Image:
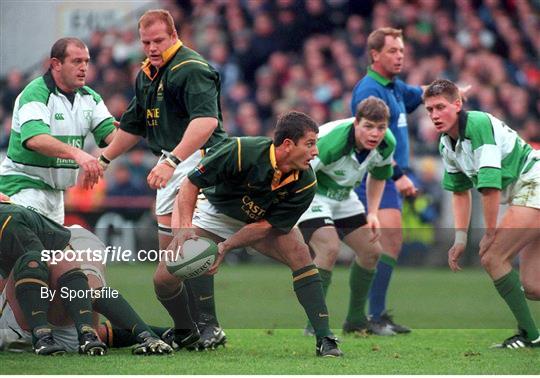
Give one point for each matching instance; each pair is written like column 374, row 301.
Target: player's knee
column 532, row 290
column 164, row 282
column 489, row 261
column 71, row 275
column 30, row 266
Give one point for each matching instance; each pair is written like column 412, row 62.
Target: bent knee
column 164, row 282
column 532, row 291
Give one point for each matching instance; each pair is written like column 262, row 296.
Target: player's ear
column 55, row 64
column 458, row 103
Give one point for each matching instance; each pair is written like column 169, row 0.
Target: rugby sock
column 509, row 288
column 120, row 338
column 31, row 275
column 79, row 307
column 121, row 314
column 359, row 283
column 33, row 307
column 326, row 277
column 177, row 305
column 379, row 287
column 308, row 288
column 202, row 294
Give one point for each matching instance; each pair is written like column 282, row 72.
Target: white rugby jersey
column 487, row 154
column 338, row 168
column 42, row 109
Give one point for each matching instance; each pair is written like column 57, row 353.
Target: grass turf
column 455, row 318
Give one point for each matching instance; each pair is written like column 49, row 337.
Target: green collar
column 378, row 77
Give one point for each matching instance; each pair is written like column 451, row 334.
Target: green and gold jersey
column 340, row 167
column 42, row 108
column 23, row 230
column 241, row 179
column 487, row 154
column 168, row 99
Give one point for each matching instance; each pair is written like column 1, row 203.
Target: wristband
column 171, row 158
column 170, row 161
column 461, row 237
column 103, row 161
column 398, row 173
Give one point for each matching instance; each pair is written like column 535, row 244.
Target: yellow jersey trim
column 4, row 226
column 166, row 55
column 239, row 154
column 188, row 61
column 306, row 187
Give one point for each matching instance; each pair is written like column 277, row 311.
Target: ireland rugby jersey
column 340, row 167
column 42, row 109
column 487, row 154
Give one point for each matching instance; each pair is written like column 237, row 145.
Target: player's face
column 302, row 152
column 72, row 71
column 155, row 40
column 369, row 134
column 443, row 113
column 389, row 61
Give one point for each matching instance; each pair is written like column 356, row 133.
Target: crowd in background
column 307, row 55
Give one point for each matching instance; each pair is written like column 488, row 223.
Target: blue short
column 391, row 198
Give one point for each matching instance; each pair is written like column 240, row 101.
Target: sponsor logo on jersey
column 152, row 117
column 87, row 114
column 59, row 116
column 252, row 210
column 339, row 172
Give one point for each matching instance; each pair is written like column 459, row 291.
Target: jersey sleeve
column 34, row 115
column 487, row 154
column 382, row 168
column 284, row 215
column 221, row 163
column 133, row 120
column 200, row 90
column 102, row 123
column 454, row 180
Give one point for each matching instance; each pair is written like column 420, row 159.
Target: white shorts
column 207, row 217
column 49, row 203
column 165, row 197
column 526, row 190
column 324, row 207
column 14, row 338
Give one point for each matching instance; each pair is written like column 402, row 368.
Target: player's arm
column 461, row 204
column 119, row 142
column 490, row 204
column 374, row 190
column 197, row 134
column 247, row 235
column 49, row 146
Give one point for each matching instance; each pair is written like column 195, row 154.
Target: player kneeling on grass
column 25, row 234
column 123, row 328
column 480, row 151
column 348, row 150
column 255, row 191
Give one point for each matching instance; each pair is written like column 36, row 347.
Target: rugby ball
column 198, row 257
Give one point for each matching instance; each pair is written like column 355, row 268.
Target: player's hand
column 175, row 246
column 405, row 186
column 222, row 250
column 375, row 226
column 91, row 169
column 454, row 254
column 160, row 175
column 486, row 241
column 4, row 197
column 116, row 124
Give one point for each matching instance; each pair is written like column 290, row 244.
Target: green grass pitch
column 456, row 317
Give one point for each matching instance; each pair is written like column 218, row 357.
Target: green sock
column 177, row 305
column 79, row 308
column 309, row 291
column 509, row 288
column 326, row 277
column 359, row 283
column 201, row 290
column 31, row 275
column 121, row 315
column 33, row 307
